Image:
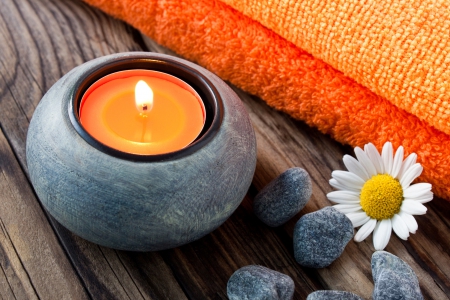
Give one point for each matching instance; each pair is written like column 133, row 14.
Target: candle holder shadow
column 140, row 202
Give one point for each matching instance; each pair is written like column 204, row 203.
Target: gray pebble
column 320, row 237
column 333, row 295
column 393, row 278
column 258, row 283
column 283, row 197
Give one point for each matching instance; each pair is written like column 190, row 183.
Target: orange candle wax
column 173, row 120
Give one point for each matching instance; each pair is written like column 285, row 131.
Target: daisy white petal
column 344, row 197
column 413, row 207
column 354, row 166
column 358, row 218
column 417, row 190
column 347, row 208
column 410, row 222
column 407, row 163
column 334, row 183
column 386, row 156
column 382, row 234
column 397, row 163
column 365, row 230
column 399, row 227
column 376, row 193
column 375, row 157
column 348, row 179
column 427, row 197
column 411, row 174
column 365, row 161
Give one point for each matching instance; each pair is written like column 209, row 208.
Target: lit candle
column 142, row 112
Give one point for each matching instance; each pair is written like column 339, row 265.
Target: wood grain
column 43, row 39
column 32, row 260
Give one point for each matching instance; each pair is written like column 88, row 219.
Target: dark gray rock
column 258, row 283
column 320, row 237
column 393, row 278
column 283, row 197
column 333, row 295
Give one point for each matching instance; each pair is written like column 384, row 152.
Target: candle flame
column 143, row 95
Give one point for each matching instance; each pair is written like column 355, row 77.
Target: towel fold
column 399, row 49
column 261, row 62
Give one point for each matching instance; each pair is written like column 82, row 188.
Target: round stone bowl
column 140, row 202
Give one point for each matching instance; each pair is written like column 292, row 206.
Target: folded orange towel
column 398, row 49
column 256, row 59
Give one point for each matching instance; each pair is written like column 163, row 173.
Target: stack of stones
column 320, row 238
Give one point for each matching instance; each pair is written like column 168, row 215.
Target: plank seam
column 20, row 259
column 49, row 220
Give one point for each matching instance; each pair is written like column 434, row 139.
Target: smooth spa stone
column 259, row 283
column 333, row 295
column 283, row 197
column 393, row 278
column 321, row 236
column 133, row 204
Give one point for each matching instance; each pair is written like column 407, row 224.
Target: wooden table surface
column 40, row 41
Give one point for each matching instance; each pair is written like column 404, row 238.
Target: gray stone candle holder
column 137, row 202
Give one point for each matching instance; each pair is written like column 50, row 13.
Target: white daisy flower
column 376, row 193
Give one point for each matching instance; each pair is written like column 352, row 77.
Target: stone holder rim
column 202, row 85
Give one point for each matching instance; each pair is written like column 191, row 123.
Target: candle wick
column 144, row 107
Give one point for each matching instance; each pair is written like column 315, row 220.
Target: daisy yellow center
column 381, row 197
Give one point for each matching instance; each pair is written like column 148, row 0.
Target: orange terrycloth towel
column 256, row 59
column 399, row 49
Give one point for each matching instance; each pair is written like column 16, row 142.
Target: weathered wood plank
column 113, row 274
column 14, row 280
column 41, row 41
column 152, row 275
column 32, row 260
column 207, row 264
